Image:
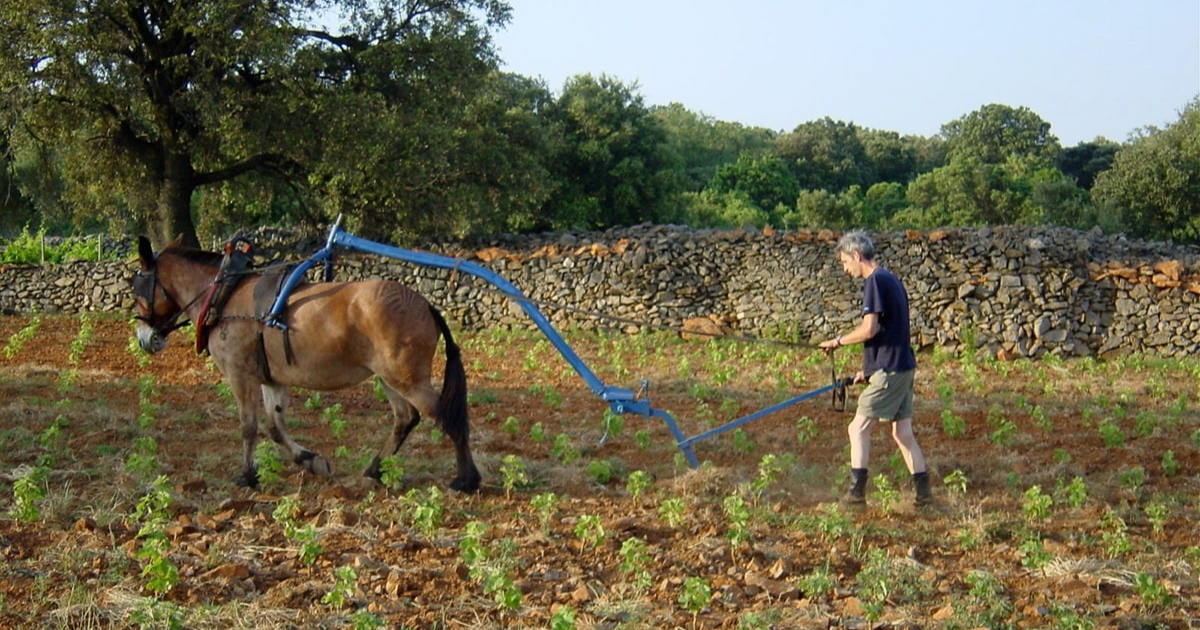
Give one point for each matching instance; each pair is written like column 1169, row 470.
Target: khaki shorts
column 888, row 397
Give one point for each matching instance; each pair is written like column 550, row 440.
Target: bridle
column 146, row 285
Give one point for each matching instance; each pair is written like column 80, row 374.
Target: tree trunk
column 172, row 214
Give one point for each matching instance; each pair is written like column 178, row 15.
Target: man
column 888, row 367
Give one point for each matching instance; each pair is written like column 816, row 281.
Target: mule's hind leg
column 405, row 418
column 276, row 399
column 425, row 399
column 243, row 393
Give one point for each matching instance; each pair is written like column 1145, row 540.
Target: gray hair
column 856, row 241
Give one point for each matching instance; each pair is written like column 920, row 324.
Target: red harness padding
column 237, row 258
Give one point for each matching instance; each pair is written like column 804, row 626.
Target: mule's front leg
column 276, row 399
column 249, row 417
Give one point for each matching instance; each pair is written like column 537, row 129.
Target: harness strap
column 202, row 323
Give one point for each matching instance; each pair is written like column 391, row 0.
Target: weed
column 739, row 520
column 806, row 430
column 590, row 531
column 742, row 442
column 1037, row 504
column 635, row 560
column 1075, row 493
column 425, row 509
column 638, row 483
column 28, row 493
column 345, row 586
column 153, row 510
column 882, row 580
column 956, row 483
column 1033, row 552
column 672, row 511
column 1170, row 466
column 391, row 471
column 887, row 493
column 17, row 340
column 512, row 472
column 695, row 595
column 545, row 504
column 563, row 450
column 337, row 422
column 1114, row 535
column 1157, row 514
column 266, row 460
column 818, row 582
column 1152, row 591
column 987, row 602
column 563, row 618
column 953, row 426
column 600, row 470
column 1111, row 433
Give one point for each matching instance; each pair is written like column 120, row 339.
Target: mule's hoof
column 467, row 484
column 315, row 464
column 373, row 471
column 248, row 479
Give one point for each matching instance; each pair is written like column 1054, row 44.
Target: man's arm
column 867, row 328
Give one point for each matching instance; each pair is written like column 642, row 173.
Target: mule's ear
column 145, row 253
column 178, row 242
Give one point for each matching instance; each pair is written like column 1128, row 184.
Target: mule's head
column 157, row 311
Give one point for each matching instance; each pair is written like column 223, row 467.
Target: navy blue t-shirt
column 890, row 349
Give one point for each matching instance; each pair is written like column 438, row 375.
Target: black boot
column 857, row 495
column 921, row 484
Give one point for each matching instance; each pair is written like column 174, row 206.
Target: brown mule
column 340, row 333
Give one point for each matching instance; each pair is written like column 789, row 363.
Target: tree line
column 200, row 117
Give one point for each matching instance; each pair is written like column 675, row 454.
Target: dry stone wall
column 1018, row 291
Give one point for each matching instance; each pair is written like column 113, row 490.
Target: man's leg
column 859, row 432
column 902, row 433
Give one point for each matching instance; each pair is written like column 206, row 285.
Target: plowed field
column 1066, row 495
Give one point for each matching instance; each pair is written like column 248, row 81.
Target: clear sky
column 1089, row 68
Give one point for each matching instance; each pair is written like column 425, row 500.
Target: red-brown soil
column 1126, row 557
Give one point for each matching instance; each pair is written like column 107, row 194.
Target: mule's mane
column 209, row 259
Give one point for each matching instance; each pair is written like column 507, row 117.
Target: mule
column 338, row 335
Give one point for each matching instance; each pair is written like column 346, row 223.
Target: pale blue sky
column 1089, row 68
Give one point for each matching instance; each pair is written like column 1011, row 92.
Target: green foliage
column 545, row 504
column 672, row 511
column 1154, row 181
column 29, row 490
column 1152, row 591
column 153, row 514
column 563, row 450
column 638, row 483
column 738, row 515
column 590, row 531
column 613, row 164
column 882, row 580
column 34, row 249
column 391, row 471
column 426, row 509
column 695, row 595
column 513, row 475
column 1037, row 504
column 345, row 587
column 635, row 561
column 956, row 483
column 17, row 340
column 266, row 459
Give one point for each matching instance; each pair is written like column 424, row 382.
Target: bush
column 27, row 248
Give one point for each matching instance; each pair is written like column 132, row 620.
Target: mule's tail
column 452, row 405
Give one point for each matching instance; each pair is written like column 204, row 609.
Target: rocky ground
column 1058, row 505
